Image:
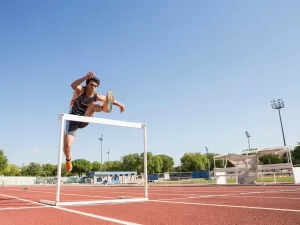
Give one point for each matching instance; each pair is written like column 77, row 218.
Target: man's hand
column 76, row 85
column 89, row 75
column 122, row 108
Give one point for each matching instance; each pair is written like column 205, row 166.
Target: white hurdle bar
column 63, row 117
column 110, row 122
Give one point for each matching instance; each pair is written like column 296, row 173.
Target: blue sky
column 198, row 73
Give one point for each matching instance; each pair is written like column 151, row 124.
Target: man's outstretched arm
column 122, row 107
column 76, row 85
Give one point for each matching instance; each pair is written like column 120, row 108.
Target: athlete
column 83, row 103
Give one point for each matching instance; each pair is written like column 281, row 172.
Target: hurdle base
column 115, row 201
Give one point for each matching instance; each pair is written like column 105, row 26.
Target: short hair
column 95, row 79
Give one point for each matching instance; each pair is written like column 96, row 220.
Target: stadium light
column 279, row 104
column 101, row 139
column 108, row 152
column 248, row 137
column 208, row 163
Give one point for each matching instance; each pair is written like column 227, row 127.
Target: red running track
column 168, row 205
column 45, row 216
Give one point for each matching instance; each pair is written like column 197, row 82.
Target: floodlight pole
column 206, row 148
column 279, row 104
column 101, row 139
column 108, row 152
column 248, row 137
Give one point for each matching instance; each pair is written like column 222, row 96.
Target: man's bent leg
column 67, row 150
column 71, row 127
column 107, row 106
column 92, row 108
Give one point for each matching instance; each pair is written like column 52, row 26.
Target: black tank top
column 81, row 103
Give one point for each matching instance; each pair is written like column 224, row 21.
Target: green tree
column 149, row 163
column 113, row 166
column 271, row 159
column 11, row 170
column 132, row 162
column 155, row 165
column 23, row 170
column 48, row 170
column 193, row 162
column 177, row 169
column 33, row 169
column 6, row 171
column 96, row 166
column 296, row 155
column 63, row 170
column 167, row 163
column 81, row 166
column 210, row 158
column 3, row 162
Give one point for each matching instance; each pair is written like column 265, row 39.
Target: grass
column 278, row 179
column 229, row 181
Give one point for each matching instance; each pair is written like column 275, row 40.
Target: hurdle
column 68, row 117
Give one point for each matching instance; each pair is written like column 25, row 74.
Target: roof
column 101, row 173
column 274, row 150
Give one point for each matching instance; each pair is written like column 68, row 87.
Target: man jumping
column 84, row 104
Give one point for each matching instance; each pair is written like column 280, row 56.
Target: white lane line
column 21, row 199
column 253, row 196
column 198, row 196
column 184, row 191
column 22, row 208
column 183, row 194
column 243, row 194
column 227, row 206
column 76, row 212
column 98, row 217
column 79, row 195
